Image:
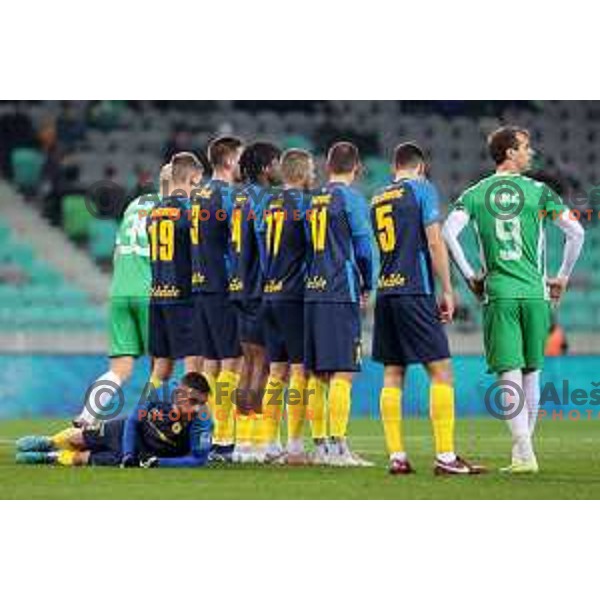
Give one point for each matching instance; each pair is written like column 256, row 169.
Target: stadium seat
column 76, row 217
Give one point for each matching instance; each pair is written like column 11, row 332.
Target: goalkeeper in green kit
column 509, row 212
column 129, row 305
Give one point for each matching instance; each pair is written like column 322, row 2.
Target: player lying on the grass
column 510, row 213
column 129, row 301
column 176, row 432
column 408, row 322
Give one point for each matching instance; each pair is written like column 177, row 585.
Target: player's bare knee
column 441, row 372
column 122, row 367
column 279, row 370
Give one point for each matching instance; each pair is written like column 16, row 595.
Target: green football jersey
column 509, row 213
column 131, row 262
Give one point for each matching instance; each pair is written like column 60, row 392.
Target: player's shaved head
column 343, row 158
column 504, row 139
column 223, row 149
column 408, row 156
column 184, row 166
column 257, row 159
column 297, row 167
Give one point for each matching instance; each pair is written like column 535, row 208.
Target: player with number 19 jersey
column 170, row 296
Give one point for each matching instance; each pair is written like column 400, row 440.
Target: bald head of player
column 343, row 163
column 186, row 174
column 224, row 156
column 510, row 149
column 298, row 169
column 408, row 162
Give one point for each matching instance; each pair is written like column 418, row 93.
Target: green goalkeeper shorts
column 515, row 333
column 128, row 327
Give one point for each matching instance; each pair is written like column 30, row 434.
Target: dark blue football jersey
column 246, row 276
column 170, row 251
column 210, row 214
column 340, row 263
column 400, row 212
column 282, row 233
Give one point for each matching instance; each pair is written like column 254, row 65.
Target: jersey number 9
column 162, row 236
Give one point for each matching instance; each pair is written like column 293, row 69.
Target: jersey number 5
column 386, row 233
column 162, row 237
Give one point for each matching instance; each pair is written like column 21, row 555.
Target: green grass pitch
column 569, row 455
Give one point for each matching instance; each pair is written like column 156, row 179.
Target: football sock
column 100, row 396
column 66, row 458
column 227, row 382
column 243, row 428
column 60, row 441
column 531, row 387
column 339, row 407
column 317, row 392
column 390, row 405
column 258, row 430
column 517, row 420
column 273, row 408
column 296, row 411
column 441, row 410
column 155, row 381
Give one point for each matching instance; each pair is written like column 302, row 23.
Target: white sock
column 99, row 398
column 402, row 456
column 518, row 422
column 531, row 387
column 295, row 446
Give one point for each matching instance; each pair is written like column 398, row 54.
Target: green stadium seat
column 27, row 165
column 76, row 217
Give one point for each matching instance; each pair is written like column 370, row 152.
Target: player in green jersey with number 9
column 128, row 306
column 509, row 212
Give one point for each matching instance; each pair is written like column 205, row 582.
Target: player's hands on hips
column 557, row 287
column 476, row 285
column 446, row 307
column 128, row 461
column 149, row 463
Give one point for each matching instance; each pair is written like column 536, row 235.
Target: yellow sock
column 66, row 458
column 155, row 381
column 210, row 378
column 243, row 428
column 296, row 408
column 390, row 405
column 61, row 440
column 441, row 410
column 339, row 407
column 258, row 430
column 227, row 383
column 273, row 408
column 317, row 392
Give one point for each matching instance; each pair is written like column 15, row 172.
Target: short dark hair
column 504, row 139
column 196, row 381
column 343, row 157
column 182, row 164
column 222, row 148
column 256, row 158
column 408, row 154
